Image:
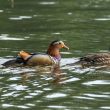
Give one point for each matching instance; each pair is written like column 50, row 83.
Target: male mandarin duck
column 98, row 59
column 52, row 56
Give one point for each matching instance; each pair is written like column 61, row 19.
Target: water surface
column 31, row 25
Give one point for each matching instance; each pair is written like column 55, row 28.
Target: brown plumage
column 98, row 59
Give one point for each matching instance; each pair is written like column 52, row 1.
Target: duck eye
column 59, row 42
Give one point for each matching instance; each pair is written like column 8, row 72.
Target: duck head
column 54, row 48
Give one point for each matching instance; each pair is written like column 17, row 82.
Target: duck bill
column 64, row 46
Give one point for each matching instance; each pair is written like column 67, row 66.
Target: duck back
column 98, row 59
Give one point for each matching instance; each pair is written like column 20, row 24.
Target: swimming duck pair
column 53, row 56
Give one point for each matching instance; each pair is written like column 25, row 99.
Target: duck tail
column 24, row 55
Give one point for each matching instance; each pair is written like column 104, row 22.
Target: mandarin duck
column 98, row 59
column 52, row 56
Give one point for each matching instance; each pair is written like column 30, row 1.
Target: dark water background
column 84, row 25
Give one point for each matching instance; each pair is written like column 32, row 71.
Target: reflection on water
column 30, row 25
column 97, row 82
column 47, row 3
column 20, row 18
column 1, row 11
column 32, row 87
column 6, row 37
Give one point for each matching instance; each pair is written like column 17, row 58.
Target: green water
column 84, row 25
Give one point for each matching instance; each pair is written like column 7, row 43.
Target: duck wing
column 98, row 59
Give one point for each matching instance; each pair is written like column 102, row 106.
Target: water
column 31, row 25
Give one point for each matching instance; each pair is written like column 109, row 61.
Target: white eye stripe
column 56, row 43
column 59, row 42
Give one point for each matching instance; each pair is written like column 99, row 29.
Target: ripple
column 29, row 104
column 14, row 78
column 8, row 94
column 17, row 70
column 47, row 89
column 102, row 19
column 57, row 107
column 28, row 97
column 22, row 106
column 47, row 3
column 80, row 70
column 70, row 80
column 17, row 87
column 65, row 61
column 106, row 93
column 97, row 82
column 33, row 94
column 20, row 17
column 98, row 95
column 57, row 33
column 5, row 37
column 7, row 105
column 56, row 95
column 1, row 11
column 69, row 13
column 82, row 97
column 66, row 53
column 105, row 107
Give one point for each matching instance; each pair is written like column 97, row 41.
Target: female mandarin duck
column 52, row 56
column 98, row 59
